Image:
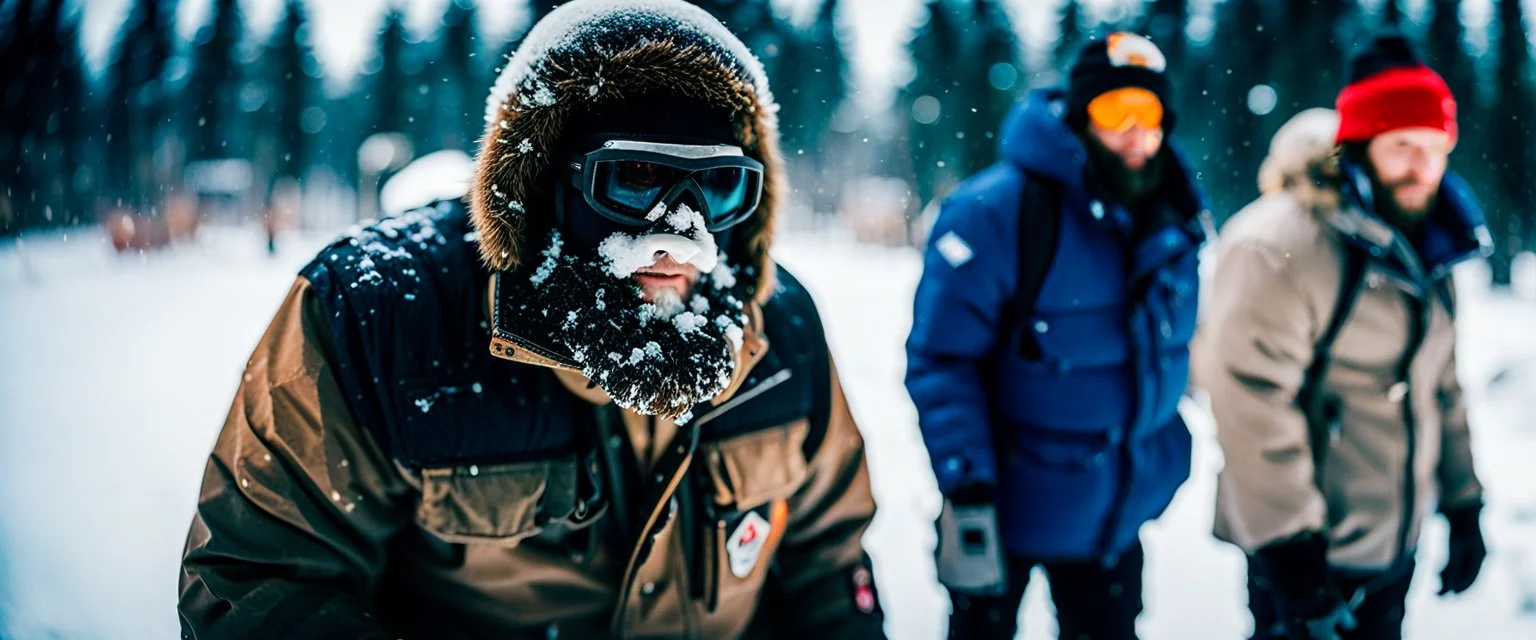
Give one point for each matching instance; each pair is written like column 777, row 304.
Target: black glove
column 1308, row 601
column 1467, row 550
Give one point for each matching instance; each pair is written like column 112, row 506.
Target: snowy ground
column 116, row 373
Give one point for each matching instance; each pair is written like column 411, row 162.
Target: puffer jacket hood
column 588, row 54
column 1037, row 139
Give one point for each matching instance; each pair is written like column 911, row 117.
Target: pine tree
column 61, row 115
column 214, row 88
column 823, row 86
column 932, row 103
column 17, row 45
column 387, row 92
column 42, row 89
column 1070, row 37
column 1311, row 73
column 458, row 84
column 295, row 90
column 138, row 104
column 811, row 80
column 1510, row 125
column 1248, row 29
column 1445, row 53
column 1391, row 14
column 990, row 84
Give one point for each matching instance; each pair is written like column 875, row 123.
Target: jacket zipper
column 1420, row 316
column 1123, row 458
column 741, row 397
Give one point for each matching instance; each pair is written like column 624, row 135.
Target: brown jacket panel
column 306, row 529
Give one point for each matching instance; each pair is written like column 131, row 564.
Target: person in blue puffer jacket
column 1050, row 347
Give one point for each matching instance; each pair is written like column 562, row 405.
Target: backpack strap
column 1319, row 412
column 1039, row 229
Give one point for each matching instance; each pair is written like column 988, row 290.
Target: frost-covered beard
column 655, row 358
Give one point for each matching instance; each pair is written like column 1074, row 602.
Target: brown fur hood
column 594, row 52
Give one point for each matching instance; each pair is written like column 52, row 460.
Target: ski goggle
column 1126, row 107
column 633, row 182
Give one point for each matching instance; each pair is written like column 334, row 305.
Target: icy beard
column 656, row 358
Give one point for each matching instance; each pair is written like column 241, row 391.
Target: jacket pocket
column 753, row 476
column 1060, row 450
column 751, row 469
column 497, row 503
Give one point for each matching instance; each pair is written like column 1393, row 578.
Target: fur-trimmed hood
column 1303, row 159
column 1305, row 163
column 588, row 53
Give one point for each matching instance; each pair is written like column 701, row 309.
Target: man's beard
column 1384, row 196
column 1388, row 207
column 655, row 358
column 1137, row 189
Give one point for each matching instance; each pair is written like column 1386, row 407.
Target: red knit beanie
column 1390, row 88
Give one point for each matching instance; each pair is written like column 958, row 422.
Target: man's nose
column 1420, row 174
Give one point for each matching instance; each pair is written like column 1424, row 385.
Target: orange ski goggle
column 1123, row 108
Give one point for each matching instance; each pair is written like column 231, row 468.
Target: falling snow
column 551, row 260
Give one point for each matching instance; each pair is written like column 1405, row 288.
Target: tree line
column 126, row 136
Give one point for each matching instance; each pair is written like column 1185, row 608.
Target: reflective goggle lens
column 1123, row 108
column 635, row 187
column 726, row 189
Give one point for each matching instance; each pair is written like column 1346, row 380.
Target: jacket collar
column 1453, row 233
column 509, row 343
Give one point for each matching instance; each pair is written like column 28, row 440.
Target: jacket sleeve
column 967, row 277
column 825, row 586
column 296, row 503
column 1258, row 343
column 1459, row 485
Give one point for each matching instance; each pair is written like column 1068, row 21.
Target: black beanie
column 1096, row 72
column 1386, row 51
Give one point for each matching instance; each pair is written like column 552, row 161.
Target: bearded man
column 1329, row 353
column 588, row 404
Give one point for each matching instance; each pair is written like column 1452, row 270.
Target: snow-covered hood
column 591, row 52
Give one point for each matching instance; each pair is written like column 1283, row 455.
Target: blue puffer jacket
column 1082, row 441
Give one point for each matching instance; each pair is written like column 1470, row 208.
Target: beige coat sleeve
column 822, row 557
column 1259, row 339
column 296, row 503
column 1459, row 485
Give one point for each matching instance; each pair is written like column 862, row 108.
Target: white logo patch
column 954, row 250
column 746, row 543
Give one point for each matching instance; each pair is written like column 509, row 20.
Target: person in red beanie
column 1328, row 352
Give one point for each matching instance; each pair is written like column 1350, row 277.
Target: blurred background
column 166, row 166
column 156, row 117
